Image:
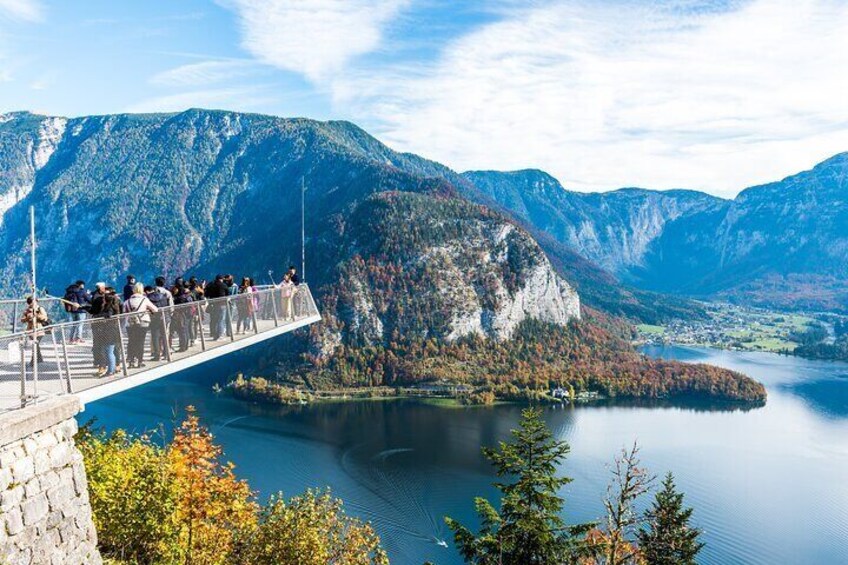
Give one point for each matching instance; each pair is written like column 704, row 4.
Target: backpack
column 158, row 299
column 136, row 319
column 70, row 301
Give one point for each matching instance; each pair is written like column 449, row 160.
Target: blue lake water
column 769, row 485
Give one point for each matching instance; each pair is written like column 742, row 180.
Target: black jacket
column 78, row 296
column 216, row 289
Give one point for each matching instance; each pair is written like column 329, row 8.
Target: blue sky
column 711, row 95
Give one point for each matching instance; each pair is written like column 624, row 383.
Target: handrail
column 77, row 358
column 123, row 315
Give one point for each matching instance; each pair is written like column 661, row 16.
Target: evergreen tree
column 528, row 529
column 668, row 538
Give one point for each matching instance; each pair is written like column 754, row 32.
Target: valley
column 746, row 328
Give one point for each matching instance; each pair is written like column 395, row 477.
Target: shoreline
column 294, row 397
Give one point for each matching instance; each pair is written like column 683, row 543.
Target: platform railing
column 77, row 355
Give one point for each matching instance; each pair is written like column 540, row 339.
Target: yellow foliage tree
column 133, row 495
column 311, row 529
column 181, row 505
column 213, row 506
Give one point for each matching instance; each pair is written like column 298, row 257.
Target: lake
column 769, row 485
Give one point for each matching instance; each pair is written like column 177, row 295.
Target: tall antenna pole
column 34, row 313
column 303, row 229
column 32, row 251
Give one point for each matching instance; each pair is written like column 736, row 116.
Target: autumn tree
column 179, row 504
column 213, row 506
column 667, row 537
column 528, row 528
column 132, row 496
column 311, row 529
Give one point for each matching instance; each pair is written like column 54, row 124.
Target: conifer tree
column 668, row 538
column 528, row 529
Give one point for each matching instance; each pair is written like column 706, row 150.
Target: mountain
column 783, row 244
column 204, row 191
column 414, row 280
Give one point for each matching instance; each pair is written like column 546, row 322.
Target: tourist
column 245, row 305
column 287, row 290
column 77, row 303
column 139, row 307
column 160, row 287
column 232, row 288
column 36, row 319
column 158, row 321
column 182, row 321
column 292, row 272
column 96, row 305
column 105, row 330
column 195, row 288
column 217, row 289
column 129, row 288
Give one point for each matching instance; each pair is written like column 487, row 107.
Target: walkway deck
column 68, row 363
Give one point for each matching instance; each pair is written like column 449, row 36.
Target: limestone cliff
column 423, row 266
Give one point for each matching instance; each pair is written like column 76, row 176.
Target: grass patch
column 651, row 329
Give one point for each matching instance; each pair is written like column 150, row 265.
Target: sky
column 713, row 95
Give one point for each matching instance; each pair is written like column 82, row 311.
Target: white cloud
column 620, row 94
column 205, row 73
column 26, row 10
column 316, row 38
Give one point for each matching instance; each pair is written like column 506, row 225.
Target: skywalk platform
column 68, row 348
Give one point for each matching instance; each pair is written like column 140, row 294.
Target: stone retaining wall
column 45, row 516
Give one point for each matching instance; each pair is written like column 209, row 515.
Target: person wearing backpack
column 139, row 308
column 77, row 301
column 36, row 319
column 158, row 321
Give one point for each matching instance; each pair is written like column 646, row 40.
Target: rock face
column 46, row 516
column 26, row 145
column 426, row 266
column 780, row 244
column 613, row 229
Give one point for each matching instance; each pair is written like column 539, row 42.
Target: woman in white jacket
column 139, row 307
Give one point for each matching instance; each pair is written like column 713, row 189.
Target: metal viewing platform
column 68, row 364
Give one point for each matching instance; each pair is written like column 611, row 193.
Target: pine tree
column 668, row 538
column 528, row 529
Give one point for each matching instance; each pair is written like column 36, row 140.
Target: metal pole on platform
column 23, row 373
column 121, row 349
column 229, row 319
column 252, row 306
column 302, row 228
column 200, row 329
column 166, row 337
column 35, row 347
column 65, row 357
column 273, row 292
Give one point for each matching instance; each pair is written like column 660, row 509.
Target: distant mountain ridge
column 415, row 281
column 125, row 184
column 206, row 191
column 782, row 244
